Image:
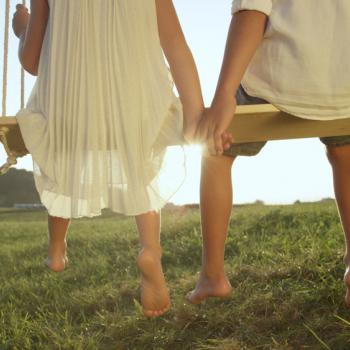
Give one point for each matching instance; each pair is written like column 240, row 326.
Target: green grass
column 284, row 263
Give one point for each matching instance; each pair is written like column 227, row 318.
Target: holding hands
column 20, row 20
column 238, row 54
column 212, row 128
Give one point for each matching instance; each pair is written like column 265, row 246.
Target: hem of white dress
column 55, row 203
column 94, row 215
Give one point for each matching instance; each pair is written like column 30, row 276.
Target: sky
column 285, row 171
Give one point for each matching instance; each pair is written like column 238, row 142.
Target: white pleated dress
column 102, row 111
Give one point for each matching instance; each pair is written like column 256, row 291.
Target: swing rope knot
column 11, row 160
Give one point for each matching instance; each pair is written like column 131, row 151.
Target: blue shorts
column 253, row 148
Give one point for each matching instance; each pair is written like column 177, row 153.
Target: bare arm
column 31, row 31
column 245, row 35
column 181, row 64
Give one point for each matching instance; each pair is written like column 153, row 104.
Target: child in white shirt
column 292, row 54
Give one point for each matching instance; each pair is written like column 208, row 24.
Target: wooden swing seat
column 251, row 123
column 11, row 138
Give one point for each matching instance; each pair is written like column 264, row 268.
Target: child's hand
column 205, row 131
column 214, row 124
column 20, row 20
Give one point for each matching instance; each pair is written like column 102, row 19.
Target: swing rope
column 6, row 46
column 5, row 62
column 22, row 76
column 12, row 157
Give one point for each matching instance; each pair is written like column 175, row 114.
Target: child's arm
column 245, row 34
column 31, row 30
column 181, row 64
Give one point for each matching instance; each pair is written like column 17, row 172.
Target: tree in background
column 17, row 186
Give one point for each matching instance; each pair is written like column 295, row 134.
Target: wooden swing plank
column 253, row 123
column 10, row 136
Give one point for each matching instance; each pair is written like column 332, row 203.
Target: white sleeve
column 264, row 6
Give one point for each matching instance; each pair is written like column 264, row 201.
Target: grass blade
column 317, row 337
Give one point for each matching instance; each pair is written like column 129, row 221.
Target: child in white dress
column 102, row 113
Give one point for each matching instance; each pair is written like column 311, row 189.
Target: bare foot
column 209, row 287
column 154, row 293
column 347, row 285
column 57, row 256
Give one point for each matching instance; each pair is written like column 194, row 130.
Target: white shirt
column 303, row 63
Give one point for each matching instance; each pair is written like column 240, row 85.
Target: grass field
column 284, row 263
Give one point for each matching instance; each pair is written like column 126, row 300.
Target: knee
column 339, row 155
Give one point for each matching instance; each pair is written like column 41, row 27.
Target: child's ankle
column 155, row 251
column 58, row 242
column 213, row 274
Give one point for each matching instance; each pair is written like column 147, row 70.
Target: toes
column 55, row 266
column 156, row 313
column 189, row 296
column 193, row 299
column 347, row 302
column 347, row 298
column 347, row 285
column 148, row 313
column 167, row 308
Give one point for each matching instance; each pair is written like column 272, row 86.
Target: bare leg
column 339, row 158
column 155, row 295
column 57, row 257
column 216, row 206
